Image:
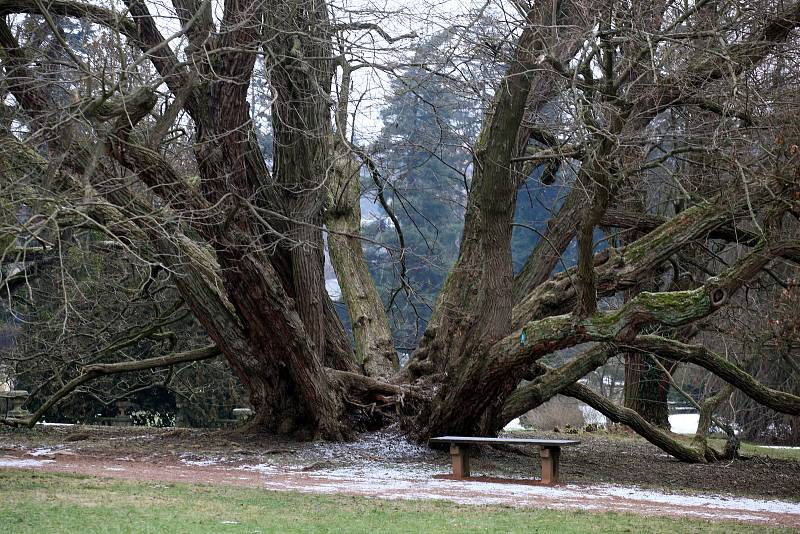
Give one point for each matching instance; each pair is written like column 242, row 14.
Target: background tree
column 159, row 154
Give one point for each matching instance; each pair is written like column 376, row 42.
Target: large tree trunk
column 475, row 306
column 373, row 338
column 646, row 389
column 374, row 342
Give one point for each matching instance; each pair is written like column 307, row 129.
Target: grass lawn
column 748, row 449
column 44, row 502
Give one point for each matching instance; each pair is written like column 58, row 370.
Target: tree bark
column 646, row 389
column 374, row 342
column 373, row 338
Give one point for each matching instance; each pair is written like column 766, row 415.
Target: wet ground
column 604, row 472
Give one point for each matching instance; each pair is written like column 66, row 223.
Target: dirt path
column 393, row 482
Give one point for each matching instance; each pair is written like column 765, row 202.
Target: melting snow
column 16, row 462
column 261, row 468
column 199, row 463
column 413, row 486
column 515, row 424
column 47, row 451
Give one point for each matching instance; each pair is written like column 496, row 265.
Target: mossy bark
column 373, row 338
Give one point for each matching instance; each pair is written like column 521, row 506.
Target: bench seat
column 549, row 452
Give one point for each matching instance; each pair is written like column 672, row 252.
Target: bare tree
column 159, row 153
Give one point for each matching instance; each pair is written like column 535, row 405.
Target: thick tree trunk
column 647, row 384
column 646, row 389
column 476, row 301
column 374, row 343
column 300, row 68
column 475, row 310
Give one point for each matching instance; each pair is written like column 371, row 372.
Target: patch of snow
column 114, row 468
column 684, row 423
column 17, row 462
column 727, row 502
column 47, row 451
column 778, row 447
column 515, row 424
column 369, row 447
column 45, row 423
column 261, row 468
column 198, row 461
column 407, row 474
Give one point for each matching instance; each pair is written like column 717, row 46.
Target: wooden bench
column 549, row 452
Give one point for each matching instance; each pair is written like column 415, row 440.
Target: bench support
column 460, row 456
column 550, row 457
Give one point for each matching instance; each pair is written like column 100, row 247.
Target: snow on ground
column 368, row 447
column 48, row 451
column 199, row 461
column 777, row 447
column 261, row 468
column 360, row 468
column 515, row 424
column 5, row 461
column 684, row 423
column 399, row 483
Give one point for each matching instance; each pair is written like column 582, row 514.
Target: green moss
column 192, row 180
column 665, row 233
column 603, row 322
column 676, row 307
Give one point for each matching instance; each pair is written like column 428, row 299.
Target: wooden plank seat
column 549, row 453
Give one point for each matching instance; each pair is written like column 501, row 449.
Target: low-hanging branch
column 549, row 381
column 621, row 269
column 675, row 350
column 653, row 434
column 91, row 372
column 538, row 338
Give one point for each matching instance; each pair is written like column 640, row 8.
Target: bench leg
column 550, row 457
column 460, row 457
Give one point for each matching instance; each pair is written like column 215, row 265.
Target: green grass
column 749, row 449
column 44, row 502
